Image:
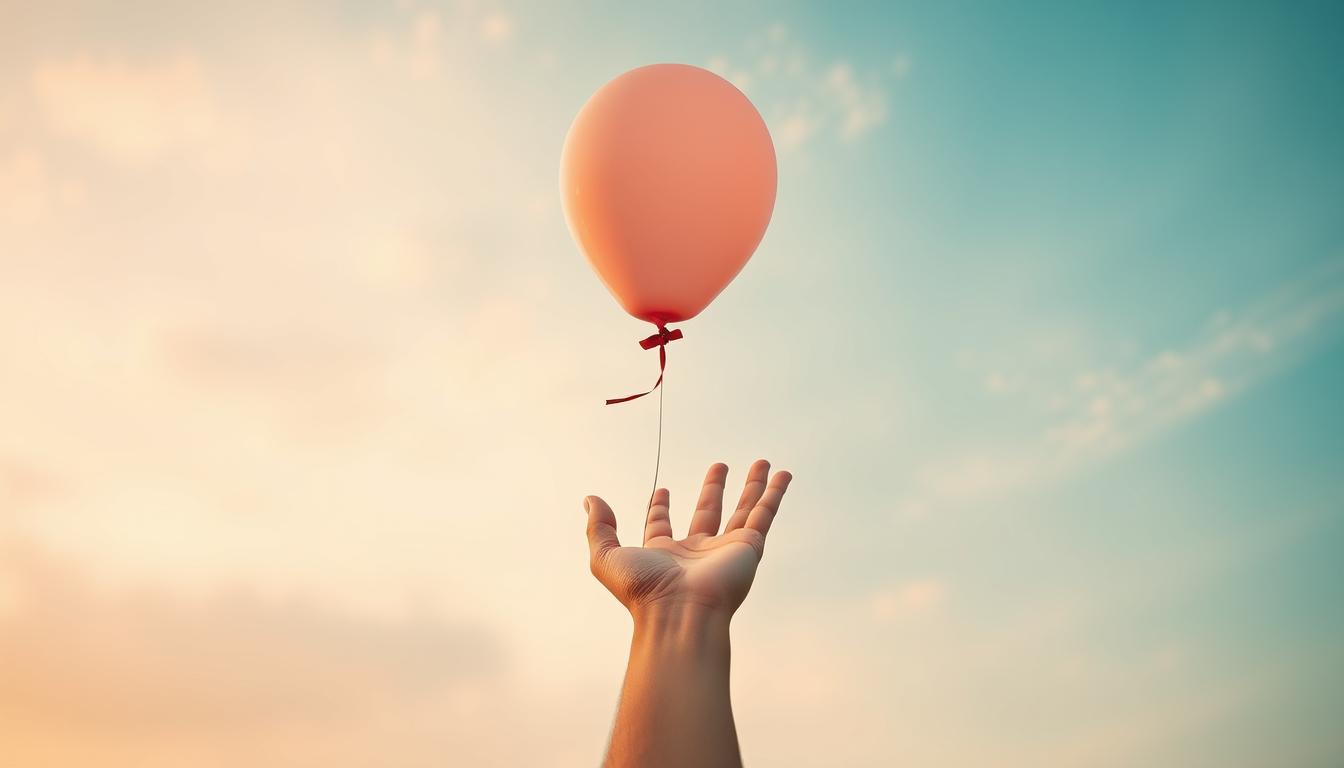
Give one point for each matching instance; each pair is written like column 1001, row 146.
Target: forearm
column 675, row 708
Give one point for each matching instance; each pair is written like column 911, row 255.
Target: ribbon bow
column 659, row 340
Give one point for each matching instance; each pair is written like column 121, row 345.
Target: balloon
column 668, row 180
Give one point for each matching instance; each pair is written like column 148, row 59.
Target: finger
column 601, row 527
column 764, row 512
column 709, row 509
column 660, row 521
column 751, row 493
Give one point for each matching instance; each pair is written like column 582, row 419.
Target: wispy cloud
column 863, row 108
column 802, row 97
column 1098, row 412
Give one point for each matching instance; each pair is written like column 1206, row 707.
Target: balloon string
column 660, row 340
column 658, row 458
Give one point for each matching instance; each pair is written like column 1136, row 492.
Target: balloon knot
column 661, row 338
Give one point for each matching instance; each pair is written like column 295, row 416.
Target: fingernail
column 585, row 503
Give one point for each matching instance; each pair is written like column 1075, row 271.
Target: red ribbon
column 659, row 340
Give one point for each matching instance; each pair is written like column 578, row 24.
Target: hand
column 707, row 569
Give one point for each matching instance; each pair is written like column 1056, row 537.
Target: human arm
column 681, row 593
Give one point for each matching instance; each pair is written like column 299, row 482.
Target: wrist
column 681, row 625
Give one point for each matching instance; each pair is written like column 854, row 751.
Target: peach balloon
column 668, row 180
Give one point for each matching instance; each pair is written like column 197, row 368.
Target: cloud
column 131, row 112
column 1099, row 412
column 331, row 330
column 1110, row 409
column 800, row 100
column 862, row 108
column 791, row 132
column 145, row 677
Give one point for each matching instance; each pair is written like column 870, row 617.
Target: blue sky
column 1048, row 324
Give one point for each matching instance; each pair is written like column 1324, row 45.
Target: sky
column 301, row 383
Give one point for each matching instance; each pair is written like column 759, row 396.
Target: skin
column 682, row 593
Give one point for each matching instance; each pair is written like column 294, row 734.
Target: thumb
column 601, row 527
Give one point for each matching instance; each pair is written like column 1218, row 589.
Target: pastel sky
column 301, row 383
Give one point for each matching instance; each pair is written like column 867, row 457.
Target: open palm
column 707, row 568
